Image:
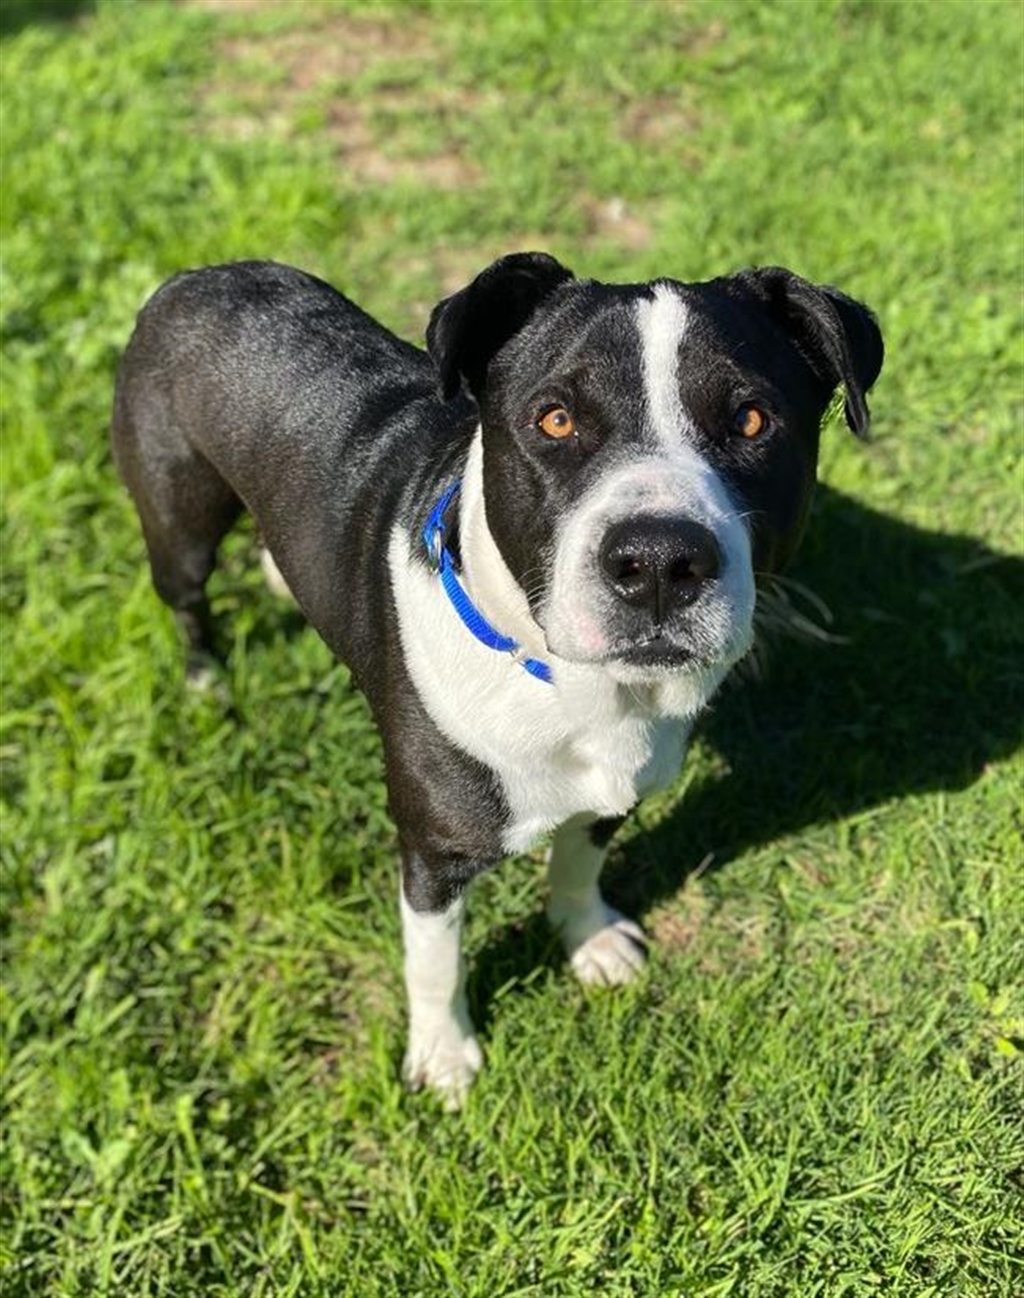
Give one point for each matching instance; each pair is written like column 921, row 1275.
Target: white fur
column 663, row 321
column 484, row 571
column 443, row 1053
column 272, row 576
column 602, row 945
column 589, row 743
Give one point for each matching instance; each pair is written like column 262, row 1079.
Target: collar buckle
column 435, row 550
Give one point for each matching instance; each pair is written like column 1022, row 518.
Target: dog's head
column 648, row 448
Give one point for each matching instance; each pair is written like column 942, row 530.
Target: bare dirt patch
column 702, row 39
column 267, row 83
column 678, row 926
column 333, row 49
column 351, row 128
column 659, row 120
column 672, row 119
column 232, row 6
column 613, row 220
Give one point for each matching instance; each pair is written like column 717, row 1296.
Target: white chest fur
column 586, row 744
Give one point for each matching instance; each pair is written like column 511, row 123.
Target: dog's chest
column 602, row 768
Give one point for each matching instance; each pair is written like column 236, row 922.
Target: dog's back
column 232, row 376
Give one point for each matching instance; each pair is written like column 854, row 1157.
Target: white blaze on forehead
column 662, row 321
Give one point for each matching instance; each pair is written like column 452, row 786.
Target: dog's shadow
column 925, row 692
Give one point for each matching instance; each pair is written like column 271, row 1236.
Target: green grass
column 818, row 1089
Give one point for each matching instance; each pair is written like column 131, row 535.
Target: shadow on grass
column 16, row 14
column 927, row 692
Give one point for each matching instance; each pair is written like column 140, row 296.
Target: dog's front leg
column 443, row 1052
column 602, row 945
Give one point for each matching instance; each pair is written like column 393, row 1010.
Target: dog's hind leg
column 185, row 508
column 180, row 566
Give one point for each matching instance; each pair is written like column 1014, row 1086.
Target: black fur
column 603, row 831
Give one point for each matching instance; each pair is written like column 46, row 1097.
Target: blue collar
column 442, row 562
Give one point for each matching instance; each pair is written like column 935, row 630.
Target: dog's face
column 649, row 448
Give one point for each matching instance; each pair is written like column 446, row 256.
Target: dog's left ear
column 838, row 337
column 467, row 329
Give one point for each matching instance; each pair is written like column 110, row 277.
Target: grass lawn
column 818, row 1088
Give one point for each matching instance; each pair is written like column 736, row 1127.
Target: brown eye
column 749, row 421
column 557, row 423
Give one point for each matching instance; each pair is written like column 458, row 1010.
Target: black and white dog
column 535, row 544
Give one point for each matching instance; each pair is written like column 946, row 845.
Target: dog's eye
column 557, row 423
column 749, row 421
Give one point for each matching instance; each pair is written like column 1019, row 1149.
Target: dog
column 534, row 544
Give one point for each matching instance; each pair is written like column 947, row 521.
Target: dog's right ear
column 469, row 328
column 838, row 337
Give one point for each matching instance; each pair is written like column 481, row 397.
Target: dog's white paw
column 613, row 954
column 445, row 1060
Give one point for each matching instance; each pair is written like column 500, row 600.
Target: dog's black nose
column 659, row 564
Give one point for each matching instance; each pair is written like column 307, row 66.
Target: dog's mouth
column 656, row 652
column 653, row 650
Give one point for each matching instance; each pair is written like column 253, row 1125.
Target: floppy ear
column 838, row 337
column 467, row 329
